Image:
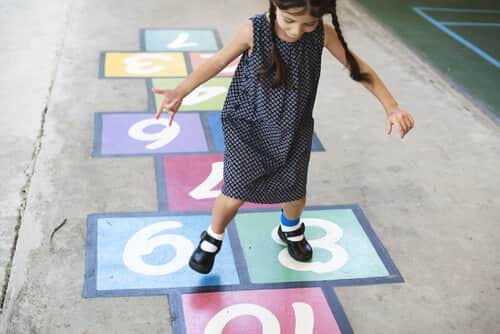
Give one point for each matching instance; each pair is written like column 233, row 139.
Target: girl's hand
column 172, row 100
column 402, row 119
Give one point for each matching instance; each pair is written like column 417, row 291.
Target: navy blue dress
column 268, row 131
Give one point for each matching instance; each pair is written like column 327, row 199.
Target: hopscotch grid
column 151, row 96
column 177, row 319
column 377, row 243
column 317, row 146
column 96, row 147
column 241, row 263
column 175, row 293
column 337, row 310
column 143, row 31
column 239, row 258
column 207, row 132
column 102, row 64
column 161, row 184
column 89, row 284
column 317, row 142
column 98, row 123
column 489, row 58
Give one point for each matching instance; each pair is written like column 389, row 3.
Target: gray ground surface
column 432, row 198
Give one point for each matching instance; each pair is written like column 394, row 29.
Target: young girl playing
column 267, row 115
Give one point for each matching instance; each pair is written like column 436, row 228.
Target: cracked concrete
column 432, row 198
column 31, row 49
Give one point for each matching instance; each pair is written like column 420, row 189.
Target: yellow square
column 144, row 64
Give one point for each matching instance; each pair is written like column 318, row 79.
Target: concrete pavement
column 433, row 198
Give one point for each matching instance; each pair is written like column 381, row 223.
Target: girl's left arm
column 401, row 118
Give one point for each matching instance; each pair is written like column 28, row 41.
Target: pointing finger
column 158, row 112
column 171, row 118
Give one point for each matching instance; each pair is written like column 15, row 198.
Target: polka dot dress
column 268, row 131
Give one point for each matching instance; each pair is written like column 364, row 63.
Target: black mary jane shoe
column 299, row 250
column 202, row 261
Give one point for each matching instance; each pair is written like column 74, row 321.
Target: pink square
column 294, row 311
column 197, row 58
column 194, row 181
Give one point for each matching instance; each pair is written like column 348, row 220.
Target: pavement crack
column 28, row 172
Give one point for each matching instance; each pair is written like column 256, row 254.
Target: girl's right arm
column 173, row 97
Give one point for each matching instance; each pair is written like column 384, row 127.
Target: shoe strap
column 207, row 237
column 295, row 233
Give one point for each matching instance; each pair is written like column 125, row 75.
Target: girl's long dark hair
column 316, row 8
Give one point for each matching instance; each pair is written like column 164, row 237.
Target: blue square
column 215, row 124
column 150, row 252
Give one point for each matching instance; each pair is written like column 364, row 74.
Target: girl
column 267, row 115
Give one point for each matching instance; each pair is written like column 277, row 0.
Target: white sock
column 286, row 228
column 209, row 247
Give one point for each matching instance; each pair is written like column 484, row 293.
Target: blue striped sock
column 288, row 225
column 288, row 222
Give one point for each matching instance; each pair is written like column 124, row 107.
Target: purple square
column 141, row 133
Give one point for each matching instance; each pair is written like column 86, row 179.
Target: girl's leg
column 224, row 210
column 294, row 209
column 291, row 230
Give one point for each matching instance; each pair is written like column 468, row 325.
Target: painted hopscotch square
column 346, row 249
column 209, row 96
column 190, row 183
column 148, row 254
column 197, row 58
column 142, row 65
column 294, row 310
column 215, row 126
column 129, row 134
column 175, row 39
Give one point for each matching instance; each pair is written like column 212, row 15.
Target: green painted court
column 460, row 38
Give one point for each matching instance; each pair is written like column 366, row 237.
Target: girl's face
column 294, row 23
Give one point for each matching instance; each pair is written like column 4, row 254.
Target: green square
column 342, row 249
column 209, row 96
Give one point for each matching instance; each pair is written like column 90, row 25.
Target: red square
column 294, row 311
column 194, row 181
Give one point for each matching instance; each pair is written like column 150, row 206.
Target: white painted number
column 140, row 64
column 304, row 318
column 181, row 41
column 158, row 139
column 205, row 189
column 338, row 255
column 146, row 240
column 202, row 93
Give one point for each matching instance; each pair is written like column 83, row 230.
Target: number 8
column 338, row 254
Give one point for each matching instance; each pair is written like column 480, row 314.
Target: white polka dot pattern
column 268, row 131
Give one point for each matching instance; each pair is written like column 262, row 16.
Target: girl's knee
column 297, row 203
column 231, row 202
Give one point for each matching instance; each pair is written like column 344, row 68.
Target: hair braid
column 353, row 63
column 274, row 60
